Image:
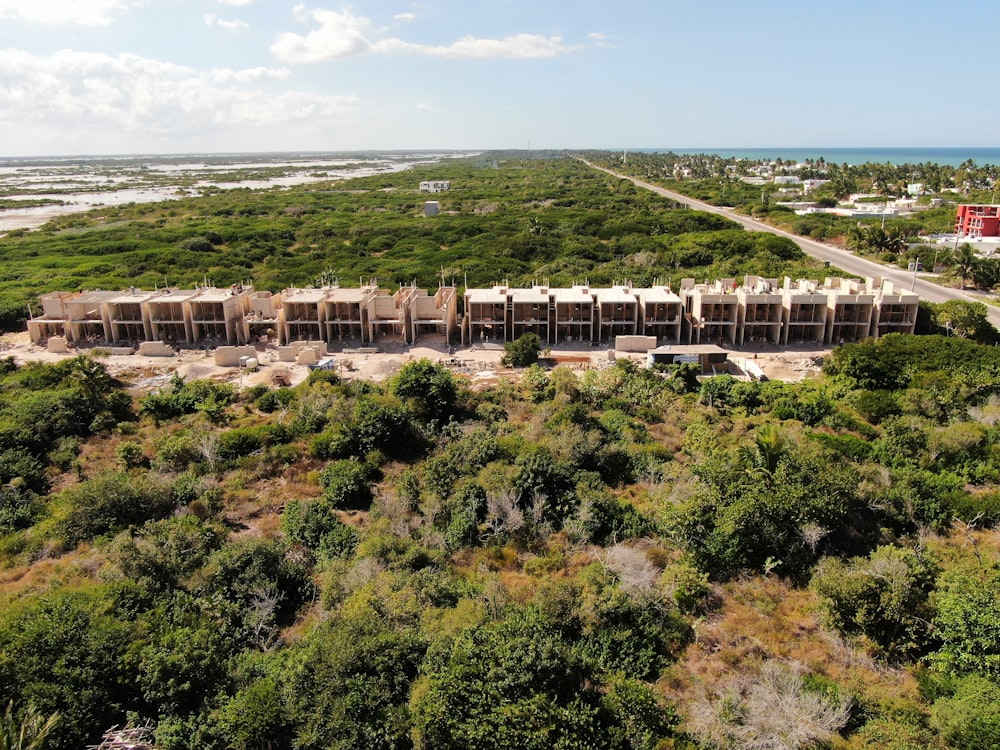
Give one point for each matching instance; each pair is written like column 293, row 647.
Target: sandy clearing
column 480, row 363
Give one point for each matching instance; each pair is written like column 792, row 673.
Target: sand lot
column 481, row 364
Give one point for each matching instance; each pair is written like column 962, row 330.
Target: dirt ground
column 480, row 363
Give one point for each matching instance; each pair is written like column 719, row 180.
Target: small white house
column 435, row 186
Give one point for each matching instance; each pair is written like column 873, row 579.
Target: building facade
column 720, row 313
column 975, row 221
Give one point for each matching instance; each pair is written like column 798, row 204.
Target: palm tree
column 27, row 732
column 964, row 262
column 763, row 457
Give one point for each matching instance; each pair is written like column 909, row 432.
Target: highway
column 841, row 259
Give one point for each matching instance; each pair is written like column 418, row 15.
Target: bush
column 522, row 352
column 110, row 502
column 314, row 525
column 883, row 597
column 970, row 719
column 346, row 484
column 130, row 455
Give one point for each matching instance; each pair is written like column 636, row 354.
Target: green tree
column 348, row 684
column 969, row 719
column 346, row 484
column 968, row 622
column 110, row 502
column 768, row 448
column 64, row 652
column 430, row 388
column 967, row 320
column 314, row 525
column 883, row 597
column 522, row 352
column 513, row 683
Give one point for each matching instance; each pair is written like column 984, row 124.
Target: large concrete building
column 238, row 315
column 718, row 313
column 722, row 312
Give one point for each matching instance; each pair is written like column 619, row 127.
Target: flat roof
column 172, row 295
column 690, row 349
column 131, row 297
column 529, row 296
column 305, row 296
column 613, row 295
column 346, row 295
column 656, row 294
column 574, row 295
column 214, row 294
column 89, row 298
column 485, row 296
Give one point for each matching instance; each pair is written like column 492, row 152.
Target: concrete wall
column 635, row 343
column 155, row 349
column 229, row 356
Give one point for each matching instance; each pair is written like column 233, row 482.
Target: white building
column 435, row 186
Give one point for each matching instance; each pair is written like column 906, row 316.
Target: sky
column 199, row 76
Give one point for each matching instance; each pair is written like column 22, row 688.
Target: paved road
column 842, row 259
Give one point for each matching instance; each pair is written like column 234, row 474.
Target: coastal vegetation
column 515, row 220
column 896, row 240
column 620, row 559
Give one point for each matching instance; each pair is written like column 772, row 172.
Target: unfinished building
column 761, row 311
column 346, row 315
column 263, row 318
column 169, row 316
column 387, row 316
column 660, row 313
column 485, row 315
column 53, row 320
column 302, row 315
column 895, row 309
column 528, row 311
column 617, row 312
column 128, row 317
column 850, row 311
column 799, row 312
column 432, row 318
column 805, row 310
column 573, row 315
column 218, row 315
column 711, row 311
column 87, row 317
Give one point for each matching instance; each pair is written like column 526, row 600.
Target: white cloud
column 82, row 12
column 340, row 34
column 213, row 20
column 405, row 16
column 247, row 75
column 343, row 34
column 514, row 47
column 600, row 40
column 91, row 96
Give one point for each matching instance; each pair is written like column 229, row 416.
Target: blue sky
column 175, row 76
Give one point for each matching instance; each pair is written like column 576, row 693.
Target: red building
column 978, row 221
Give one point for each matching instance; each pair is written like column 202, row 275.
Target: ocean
column 951, row 156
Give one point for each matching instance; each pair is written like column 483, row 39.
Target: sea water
column 950, row 156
